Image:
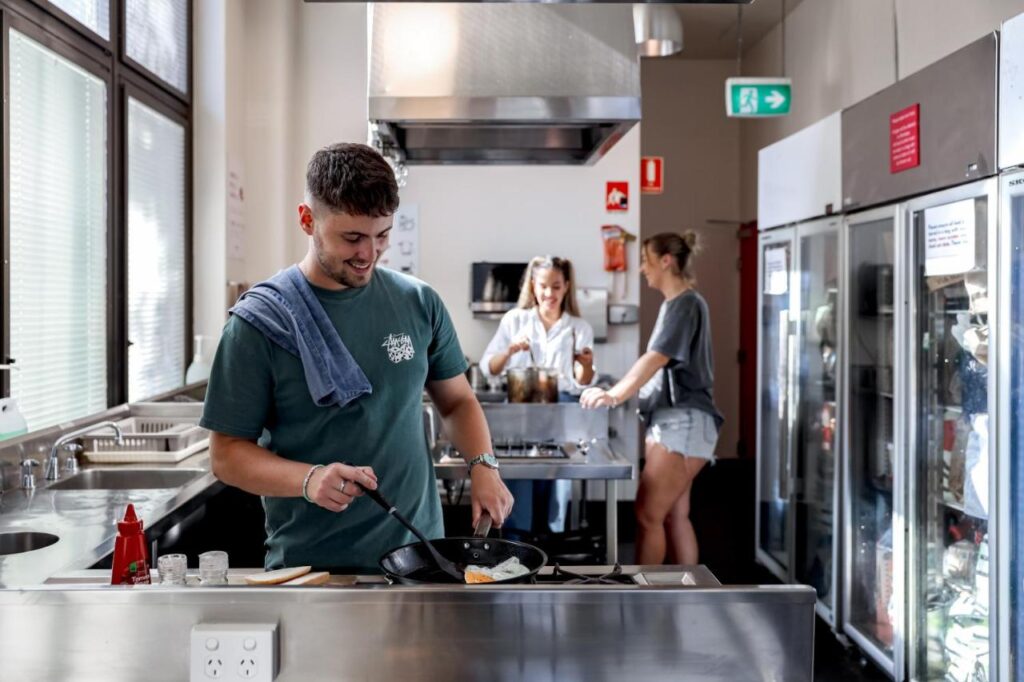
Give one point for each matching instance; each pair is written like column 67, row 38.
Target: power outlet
column 234, row 651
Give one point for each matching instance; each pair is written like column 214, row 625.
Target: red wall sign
column 652, row 174
column 905, row 139
column 616, row 197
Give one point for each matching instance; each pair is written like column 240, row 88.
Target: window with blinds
column 58, row 235
column 93, row 14
column 156, row 252
column 156, row 36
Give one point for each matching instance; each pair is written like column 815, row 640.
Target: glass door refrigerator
column 872, row 530
column 1010, row 436
column 951, row 291
column 814, row 442
column 776, row 347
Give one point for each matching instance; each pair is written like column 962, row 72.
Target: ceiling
column 709, row 31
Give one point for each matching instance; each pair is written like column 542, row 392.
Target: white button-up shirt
column 551, row 348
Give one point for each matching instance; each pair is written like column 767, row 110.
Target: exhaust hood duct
column 493, row 84
column 659, row 30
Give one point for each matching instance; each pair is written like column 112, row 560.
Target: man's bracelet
column 305, row 481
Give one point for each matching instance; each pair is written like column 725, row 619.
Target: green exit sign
column 756, row 97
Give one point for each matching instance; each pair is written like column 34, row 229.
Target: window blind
column 94, row 14
column 156, row 252
column 57, row 231
column 156, row 36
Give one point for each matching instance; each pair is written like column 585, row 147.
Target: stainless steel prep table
column 567, row 424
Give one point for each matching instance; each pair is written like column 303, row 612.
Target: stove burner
column 526, row 449
column 612, row 577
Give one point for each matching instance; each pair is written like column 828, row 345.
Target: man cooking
column 316, row 388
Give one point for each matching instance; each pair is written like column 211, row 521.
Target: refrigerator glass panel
column 1016, row 441
column 815, row 423
column 871, row 457
column 949, row 470
column 774, row 404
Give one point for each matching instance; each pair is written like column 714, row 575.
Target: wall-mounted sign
column 652, row 174
column 776, row 271
column 905, row 139
column 949, row 247
column 757, row 97
column 403, row 254
column 616, row 197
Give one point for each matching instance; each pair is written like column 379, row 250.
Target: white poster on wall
column 404, row 252
column 776, row 271
column 236, row 211
column 949, row 232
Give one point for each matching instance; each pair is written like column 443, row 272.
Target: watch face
column 490, row 460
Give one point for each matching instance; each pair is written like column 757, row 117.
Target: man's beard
column 336, row 271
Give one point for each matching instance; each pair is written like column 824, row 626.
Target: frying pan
column 416, row 563
column 412, row 564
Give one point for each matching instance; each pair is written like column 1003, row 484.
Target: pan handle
column 483, row 526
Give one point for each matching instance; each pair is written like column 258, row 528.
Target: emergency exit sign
column 757, row 97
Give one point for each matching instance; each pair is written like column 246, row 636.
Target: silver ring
column 343, row 484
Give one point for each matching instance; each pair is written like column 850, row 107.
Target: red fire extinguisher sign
column 652, row 174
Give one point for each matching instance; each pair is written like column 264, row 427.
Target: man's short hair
column 354, row 179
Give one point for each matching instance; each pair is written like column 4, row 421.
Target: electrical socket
column 239, row 651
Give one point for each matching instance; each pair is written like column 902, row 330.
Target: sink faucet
column 52, row 466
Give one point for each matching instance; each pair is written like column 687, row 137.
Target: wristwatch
column 487, row 459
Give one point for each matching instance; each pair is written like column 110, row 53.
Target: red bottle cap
column 131, row 524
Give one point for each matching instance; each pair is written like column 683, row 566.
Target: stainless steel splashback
column 502, row 83
column 539, row 422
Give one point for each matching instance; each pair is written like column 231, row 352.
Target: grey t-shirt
column 683, row 333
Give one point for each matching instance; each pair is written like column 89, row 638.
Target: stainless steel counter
column 660, row 630
column 567, row 424
column 84, row 520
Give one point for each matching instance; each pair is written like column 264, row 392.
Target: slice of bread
column 279, row 576
column 317, row 578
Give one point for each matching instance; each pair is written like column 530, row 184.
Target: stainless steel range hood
column 502, row 83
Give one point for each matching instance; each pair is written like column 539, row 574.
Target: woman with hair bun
column 675, row 378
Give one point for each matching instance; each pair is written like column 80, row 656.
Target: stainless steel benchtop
column 85, row 520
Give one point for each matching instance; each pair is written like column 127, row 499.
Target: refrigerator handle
column 786, row 460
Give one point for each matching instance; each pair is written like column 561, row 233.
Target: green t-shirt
column 401, row 335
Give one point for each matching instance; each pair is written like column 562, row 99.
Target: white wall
column 304, row 74
column 209, row 153
column 514, row 213
column 839, row 52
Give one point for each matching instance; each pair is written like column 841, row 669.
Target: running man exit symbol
column 756, row 97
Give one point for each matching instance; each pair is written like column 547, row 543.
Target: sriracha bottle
column 131, row 560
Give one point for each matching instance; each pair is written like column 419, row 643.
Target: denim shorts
column 685, row 431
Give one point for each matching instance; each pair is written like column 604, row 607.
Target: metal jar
column 532, row 385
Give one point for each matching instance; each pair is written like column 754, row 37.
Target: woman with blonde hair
column 675, row 375
column 544, row 328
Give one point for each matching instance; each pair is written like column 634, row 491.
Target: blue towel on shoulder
column 285, row 309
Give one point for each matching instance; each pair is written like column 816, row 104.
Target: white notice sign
column 949, row 247
column 776, row 271
column 404, row 252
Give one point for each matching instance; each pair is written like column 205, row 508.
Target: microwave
column 495, row 287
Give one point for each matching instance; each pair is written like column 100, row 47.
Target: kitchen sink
column 128, row 479
column 24, row 541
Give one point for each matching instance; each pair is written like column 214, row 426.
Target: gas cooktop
column 527, row 449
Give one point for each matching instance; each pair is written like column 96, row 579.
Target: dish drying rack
column 153, row 432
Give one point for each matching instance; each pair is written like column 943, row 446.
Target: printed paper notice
column 404, row 252
column 949, row 247
column 776, row 271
